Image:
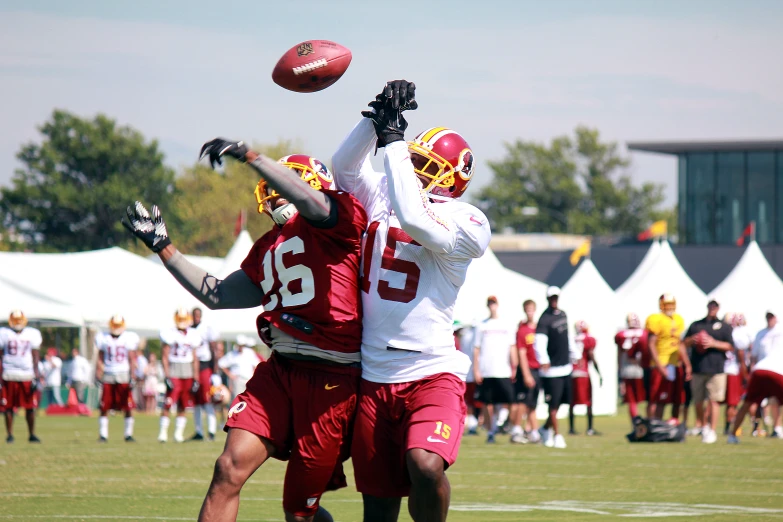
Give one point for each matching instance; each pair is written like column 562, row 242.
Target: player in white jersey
column 207, row 366
column 20, row 345
column 115, row 371
column 180, row 368
column 419, row 243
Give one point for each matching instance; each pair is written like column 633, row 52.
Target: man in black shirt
column 710, row 339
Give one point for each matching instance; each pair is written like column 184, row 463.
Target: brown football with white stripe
column 311, row 66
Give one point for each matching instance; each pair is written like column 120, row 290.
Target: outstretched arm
column 352, row 158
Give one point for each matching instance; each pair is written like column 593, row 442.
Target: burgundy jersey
column 634, row 342
column 310, row 277
column 588, row 345
column 526, row 338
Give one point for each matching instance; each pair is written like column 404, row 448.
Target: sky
column 185, row 72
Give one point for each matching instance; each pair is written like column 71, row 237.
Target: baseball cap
column 713, row 302
column 769, row 314
column 552, row 291
column 492, row 299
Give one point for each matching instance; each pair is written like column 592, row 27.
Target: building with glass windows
column 723, row 186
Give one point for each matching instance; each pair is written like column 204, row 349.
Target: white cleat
column 548, row 436
column 708, row 436
column 560, row 442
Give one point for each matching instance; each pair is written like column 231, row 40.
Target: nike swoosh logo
column 430, row 439
column 327, row 387
column 476, row 221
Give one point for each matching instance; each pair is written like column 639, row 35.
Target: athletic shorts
column 181, row 395
column 117, row 397
column 581, row 391
column 710, row 386
column 525, row 395
column 18, row 394
column 202, row 396
column 495, row 390
column 634, row 391
column 734, row 390
column 306, row 411
column 395, row 418
column 557, row 390
column 764, row 384
column 664, row 391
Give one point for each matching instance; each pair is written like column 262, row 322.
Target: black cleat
column 34, row 439
column 211, row 437
column 573, row 432
column 9, row 439
column 197, row 436
column 103, row 440
column 130, row 438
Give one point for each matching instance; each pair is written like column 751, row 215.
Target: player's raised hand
column 147, row 226
column 401, row 94
column 220, row 147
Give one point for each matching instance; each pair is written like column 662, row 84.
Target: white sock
column 129, row 426
column 211, row 419
column 502, row 416
column 516, row 430
column 471, row 422
column 164, row 427
column 179, row 428
column 103, row 427
column 197, row 420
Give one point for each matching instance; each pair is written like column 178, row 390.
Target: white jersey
column 116, row 351
column 767, row 341
column 17, row 350
column 183, row 345
column 415, row 258
column 208, row 335
column 494, row 339
column 772, row 362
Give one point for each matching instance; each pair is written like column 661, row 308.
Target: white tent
column 101, row 283
column 487, row 276
column 752, row 287
column 586, row 296
column 36, row 307
column 638, row 275
column 664, row 275
column 238, row 252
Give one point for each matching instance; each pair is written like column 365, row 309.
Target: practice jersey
column 494, row 339
column 18, row 352
column 310, row 279
column 182, row 344
column 742, row 341
column 526, row 338
column 668, row 330
column 634, row 353
column 408, row 289
column 585, row 343
column 208, row 335
column 116, row 351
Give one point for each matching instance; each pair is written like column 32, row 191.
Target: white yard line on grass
column 621, row 509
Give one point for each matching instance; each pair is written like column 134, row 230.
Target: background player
column 582, row 387
column 418, row 247
column 667, row 377
column 180, row 368
column 633, row 360
column 19, row 369
column 207, row 365
column 736, row 366
column 528, row 383
column 299, row 405
column 116, row 368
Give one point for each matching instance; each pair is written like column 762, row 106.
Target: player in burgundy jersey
column 528, row 382
column 633, row 359
column 299, row 405
column 580, row 378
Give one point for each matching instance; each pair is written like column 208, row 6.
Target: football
column 311, row 66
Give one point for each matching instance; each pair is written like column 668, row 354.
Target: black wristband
column 160, row 245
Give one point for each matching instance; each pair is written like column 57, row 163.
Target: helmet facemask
column 17, row 321
column 116, row 325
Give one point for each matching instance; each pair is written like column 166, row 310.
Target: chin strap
column 281, row 215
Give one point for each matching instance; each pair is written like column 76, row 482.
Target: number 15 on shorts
column 444, row 430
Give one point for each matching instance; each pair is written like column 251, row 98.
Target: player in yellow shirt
column 667, row 376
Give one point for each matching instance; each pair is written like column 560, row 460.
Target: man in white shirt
column 79, row 374
column 20, row 347
column 53, row 378
column 239, row 364
column 495, row 363
column 206, row 361
column 767, row 341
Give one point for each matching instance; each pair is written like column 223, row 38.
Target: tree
column 576, row 184
column 76, row 184
column 207, row 202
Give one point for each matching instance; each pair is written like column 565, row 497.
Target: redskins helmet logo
column 237, row 408
column 304, row 49
column 465, row 165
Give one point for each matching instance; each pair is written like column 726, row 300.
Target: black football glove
column 220, row 147
column 195, row 388
column 386, row 111
column 149, row 227
column 169, row 384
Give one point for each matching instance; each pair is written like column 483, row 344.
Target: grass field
column 70, row 477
